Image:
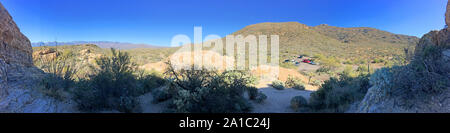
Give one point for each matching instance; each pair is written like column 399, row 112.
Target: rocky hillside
column 347, row 43
column 18, row 76
column 363, row 35
column 377, row 101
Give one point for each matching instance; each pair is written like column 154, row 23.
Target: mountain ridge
column 350, row 43
column 101, row 44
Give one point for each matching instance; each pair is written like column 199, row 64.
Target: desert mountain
column 101, row 44
column 363, row 35
column 350, row 43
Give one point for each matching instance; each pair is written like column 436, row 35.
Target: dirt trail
column 148, row 106
column 278, row 101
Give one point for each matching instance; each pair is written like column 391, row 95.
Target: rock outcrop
column 375, row 100
column 18, row 77
column 15, row 48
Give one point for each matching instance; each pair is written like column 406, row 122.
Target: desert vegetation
column 114, row 84
column 423, row 76
column 294, row 82
column 278, row 85
column 338, row 93
column 207, row 91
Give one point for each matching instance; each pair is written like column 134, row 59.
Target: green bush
column 148, row 82
column 205, row 91
column 278, row 85
column 298, row 102
column 59, row 77
column 255, row 95
column 336, row 94
column 296, row 83
column 323, row 70
column 378, row 60
column 260, row 98
column 160, row 95
column 426, row 75
column 112, row 87
column 252, row 92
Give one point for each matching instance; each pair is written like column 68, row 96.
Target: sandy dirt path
column 278, row 101
column 148, row 106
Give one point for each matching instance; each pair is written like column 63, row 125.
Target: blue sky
column 157, row 21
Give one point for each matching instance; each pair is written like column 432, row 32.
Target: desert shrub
column 252, row 92
column 59, row 77
column 294, row 82
column 207, row 91
column 298, row 102
column 425, row 75
column 378, row 60
column 316, row 83
column 112, row 87
column 255, row 95
column 278, row 85
column 336, row 94
column 85, row 96
column 55, row 86
column 147, row 82
column 323, row 70
column 364, row 69
column 160, row 95
column 260, row 98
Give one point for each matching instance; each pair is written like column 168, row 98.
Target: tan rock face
column 15, row 48
column 46, row 54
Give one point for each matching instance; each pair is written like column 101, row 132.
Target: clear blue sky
column 157, row 21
